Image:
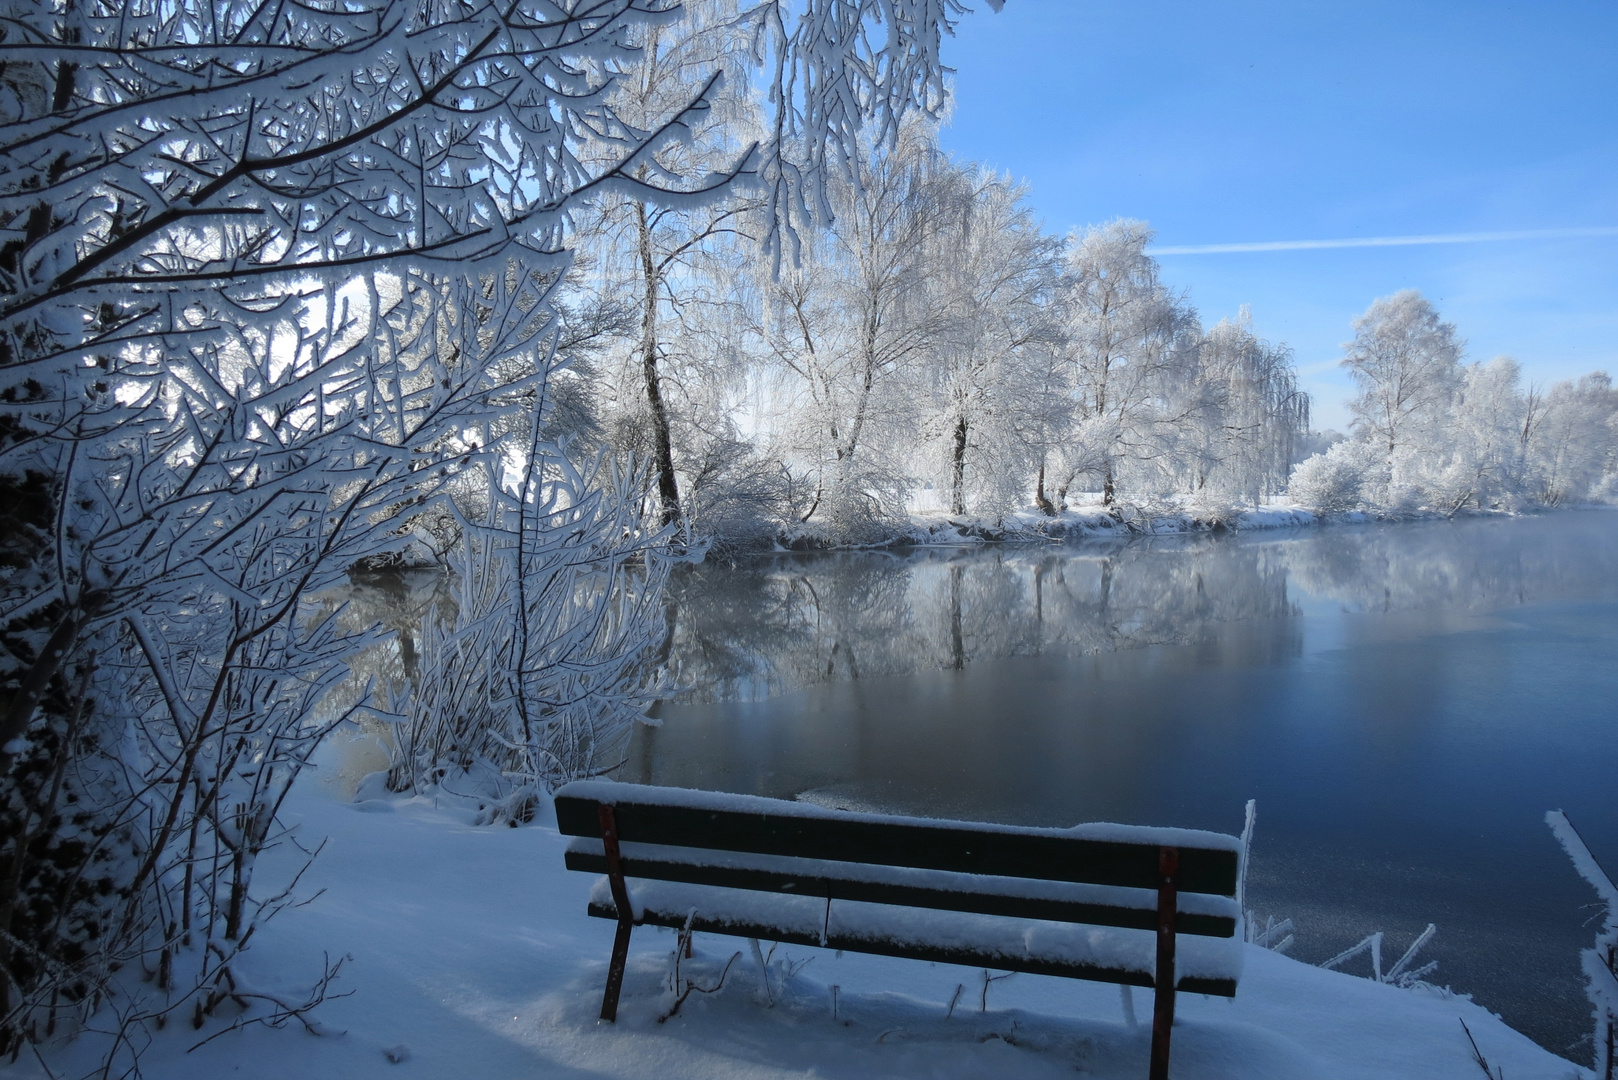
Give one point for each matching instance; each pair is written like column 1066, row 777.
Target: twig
column 763, row 969
column 983, row 1001
column 284, row 1010
column 691, row 985
column 1477, row 1055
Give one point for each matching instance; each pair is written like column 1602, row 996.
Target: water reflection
column 1405, row 702
column 398, row 602
column 776, row 625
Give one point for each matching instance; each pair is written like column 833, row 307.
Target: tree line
column 932, row 345
column 1434, row 433
column 933, row 348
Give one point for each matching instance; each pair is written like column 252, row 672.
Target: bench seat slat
column 800, row 923
column 1011, row 905
column 961, row 847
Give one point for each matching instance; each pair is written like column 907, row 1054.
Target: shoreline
column 1120, row 523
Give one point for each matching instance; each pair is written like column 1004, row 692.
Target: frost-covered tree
column 1345, row 476
column 1437, row 435
column 993, row 273
column 660, row 244
column 1406, row 362
column 1484, row 451
column 1242, row 440
column 1570, row 452
column 1129, row 339
column 848, row 329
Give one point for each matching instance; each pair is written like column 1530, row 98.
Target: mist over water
column 1405, row 702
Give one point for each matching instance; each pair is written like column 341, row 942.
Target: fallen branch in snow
column 1600, row 964
column 1400, row 974
column 1275, row 936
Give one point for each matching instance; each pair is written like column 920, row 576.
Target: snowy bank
column 471, row 956
column 936, row 529
column 929, row 529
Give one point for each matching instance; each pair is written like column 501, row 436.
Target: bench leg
column 626, row 916
column 615, row 972
column 1168, row 902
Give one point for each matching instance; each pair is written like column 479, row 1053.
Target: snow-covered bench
column 1102, row 902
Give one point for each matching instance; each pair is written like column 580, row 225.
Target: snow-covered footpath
column 471, row 956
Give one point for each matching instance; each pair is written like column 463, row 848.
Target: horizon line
column 1384, row 241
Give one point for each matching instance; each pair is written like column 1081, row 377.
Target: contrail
column 1385, row 241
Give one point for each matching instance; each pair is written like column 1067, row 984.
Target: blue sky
column 1241, row 122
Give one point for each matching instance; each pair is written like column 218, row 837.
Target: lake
column 1403, row 701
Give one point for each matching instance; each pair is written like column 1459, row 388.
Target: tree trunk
column 957, row 478
column 868, row 360
column 1044, row 504
column 668, row 488
column 1107, row 486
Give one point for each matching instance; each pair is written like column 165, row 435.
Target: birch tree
column 1243, row 438
column 995, row 273
column 1127, row 334
column 850, row 326
column 1571, row 451
column 1405, row 360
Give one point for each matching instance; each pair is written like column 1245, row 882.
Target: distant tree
column 1128, row 338
column 848, row 329
column 1572, row 445
column 1343, row 477
column 1242, row 439
column 1406, row 362
column 993, row 275
column 1483, row 460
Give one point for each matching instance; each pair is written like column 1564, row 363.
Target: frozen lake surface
column 1405, row 702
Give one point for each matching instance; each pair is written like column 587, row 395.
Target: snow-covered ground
column 470, row 956
column 930, row 526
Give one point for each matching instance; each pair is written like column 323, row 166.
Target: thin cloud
column 1386, row 241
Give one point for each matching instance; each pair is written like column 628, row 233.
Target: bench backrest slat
column 903, row 895
column 1008, row 852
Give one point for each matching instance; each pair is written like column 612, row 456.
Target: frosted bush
column 1345, row 477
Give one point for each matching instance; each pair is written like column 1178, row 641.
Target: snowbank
column 1031, row 526
column 472, row 957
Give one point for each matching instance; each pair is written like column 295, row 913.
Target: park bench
column 989, row 896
